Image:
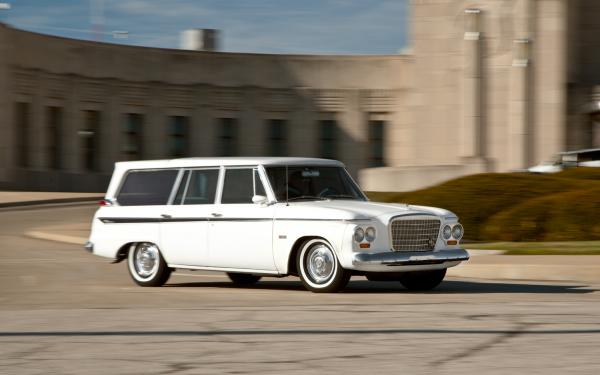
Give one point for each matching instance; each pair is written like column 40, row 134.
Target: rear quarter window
column 151, row 188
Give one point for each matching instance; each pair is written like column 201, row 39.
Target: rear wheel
column 319, row 268
column 422, row 280
column 243, row 278
column 146, row 265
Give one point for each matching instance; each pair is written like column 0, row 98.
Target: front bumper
column 391, row 261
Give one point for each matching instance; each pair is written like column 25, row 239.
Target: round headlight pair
column 455, row 231
column 360, row 234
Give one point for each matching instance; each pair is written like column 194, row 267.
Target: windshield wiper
column 341, row 196
column 306, row 197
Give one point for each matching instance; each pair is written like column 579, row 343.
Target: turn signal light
column 364, row 245
column 452, row 242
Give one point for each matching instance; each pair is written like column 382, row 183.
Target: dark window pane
column 178, row 136
column 147, row 188
column 376, row 143
column 22, row 133
column 202, row 187
column 54, row 136
column 328, row 138
column 277, row 137
column 238, row 186
column 132, row 137
column 90, row 140
column 227, row 137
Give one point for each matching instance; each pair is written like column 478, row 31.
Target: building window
column 90, row 140
column 22, row 133
column 376, row 143
column 328, row 130
column 132, row 137
column 227, row 137
column 178, row 136
column 277, row 137
column 54, row 136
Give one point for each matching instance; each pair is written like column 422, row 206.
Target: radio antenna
column 287, row 197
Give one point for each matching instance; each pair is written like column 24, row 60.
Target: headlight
column 457, row 231
column 447, row 232
column 370, row 234
column 359, row 234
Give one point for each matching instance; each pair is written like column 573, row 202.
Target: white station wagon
column 254, row 217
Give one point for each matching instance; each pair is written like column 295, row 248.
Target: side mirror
column 259, row 199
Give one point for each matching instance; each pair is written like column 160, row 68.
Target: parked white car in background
column 254, row 217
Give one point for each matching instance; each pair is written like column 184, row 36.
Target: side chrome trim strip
column 222, row 269
column 131, row 220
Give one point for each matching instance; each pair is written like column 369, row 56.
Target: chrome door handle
column 166, row 216
column 215, row 214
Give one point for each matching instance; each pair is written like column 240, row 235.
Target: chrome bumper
column 89, row 246
column 410, row 258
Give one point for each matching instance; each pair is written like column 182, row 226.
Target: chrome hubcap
column 146, row 260
column 320, row 263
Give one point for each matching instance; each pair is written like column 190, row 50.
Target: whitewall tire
column 146, row 265
column 319, row 269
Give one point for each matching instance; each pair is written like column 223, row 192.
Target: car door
column 184, row 227
column 240, row 231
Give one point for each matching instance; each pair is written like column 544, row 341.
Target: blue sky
column 268, row 26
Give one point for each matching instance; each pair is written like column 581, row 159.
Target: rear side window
column 143, row 188
column 241, row 185
column 198, row 187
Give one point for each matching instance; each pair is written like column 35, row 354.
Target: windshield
column 310, row 183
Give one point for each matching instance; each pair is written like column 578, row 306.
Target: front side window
column 240, row 185
column 142, row 188
column 198, row 187
column 310, row 183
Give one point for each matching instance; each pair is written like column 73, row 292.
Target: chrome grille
column 414, row 233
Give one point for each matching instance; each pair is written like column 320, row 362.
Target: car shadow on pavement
column 447, row 287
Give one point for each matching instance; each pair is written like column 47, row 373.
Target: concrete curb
column 535, row 272
column 49, row 201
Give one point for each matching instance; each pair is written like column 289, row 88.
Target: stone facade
column 488, row 85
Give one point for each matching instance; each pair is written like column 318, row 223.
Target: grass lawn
column 541, row 248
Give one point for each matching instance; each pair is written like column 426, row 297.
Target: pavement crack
column 496, row 340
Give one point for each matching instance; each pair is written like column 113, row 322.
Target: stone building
column 487, row 85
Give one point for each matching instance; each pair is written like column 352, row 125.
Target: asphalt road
column 64, row 311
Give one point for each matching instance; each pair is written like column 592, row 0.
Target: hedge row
column 516, row 206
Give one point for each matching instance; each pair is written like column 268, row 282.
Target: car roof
column 225, row 161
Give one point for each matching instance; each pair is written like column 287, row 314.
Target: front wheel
column 147, row 266
column 422, row 280
column 319, row 268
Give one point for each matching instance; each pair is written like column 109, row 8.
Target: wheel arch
column 292, row 267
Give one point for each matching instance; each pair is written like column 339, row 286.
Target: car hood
column 360, row 210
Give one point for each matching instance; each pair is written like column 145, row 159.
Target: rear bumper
column 394, row 261
column 89, row 246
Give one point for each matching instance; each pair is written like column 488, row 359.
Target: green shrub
column 477, row 198
column 570, row 216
